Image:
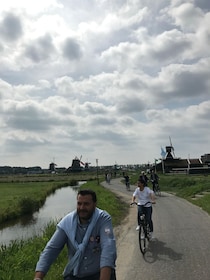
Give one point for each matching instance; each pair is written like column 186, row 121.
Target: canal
column 56, row 206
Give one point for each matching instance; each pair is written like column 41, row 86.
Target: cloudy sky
column 111, row 80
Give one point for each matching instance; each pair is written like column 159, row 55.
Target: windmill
column 52, row 166
column 170, row 150
column 76, row 164
column 81, row 162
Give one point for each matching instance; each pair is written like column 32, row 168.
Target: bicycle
column 127, row 186
column 144, row 231
column 157, row 189
column 127, row 182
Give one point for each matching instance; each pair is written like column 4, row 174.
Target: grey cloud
column 41, row 49
column 101, row 121
column 28, row 122
column 187, row 81
column 11, row 27
column 115, row 137
column 1, row 47
column 130, row 104
column 34, row 117
column 95, row 108
column 135, row 84
column 201, row 113
column 109, row 121
column 72, row 49
column 203, row 4
column 127, row 121
column 13, row 143
column 181, row 83
column 191, row 84
column 27, row 117
column 171, row 46
column 63, row 109
column 104, row 135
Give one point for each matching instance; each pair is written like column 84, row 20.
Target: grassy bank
column 21, row 195
column 18, row 260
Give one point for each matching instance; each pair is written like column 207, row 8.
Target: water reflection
column 56, row 206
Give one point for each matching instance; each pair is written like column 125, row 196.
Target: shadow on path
column 158, row 251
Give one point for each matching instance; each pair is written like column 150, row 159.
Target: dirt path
column 125, row 236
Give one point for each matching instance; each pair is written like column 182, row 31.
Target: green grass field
column 21, row 195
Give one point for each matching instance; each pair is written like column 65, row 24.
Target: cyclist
column 127, row 181
column 144, row 177
column 154, row 179
column 144, row 194
column 88, row 234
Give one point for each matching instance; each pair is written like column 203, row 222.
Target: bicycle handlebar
column 133, row 203
column 153, row 202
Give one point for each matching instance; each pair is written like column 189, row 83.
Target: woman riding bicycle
column 144, row 195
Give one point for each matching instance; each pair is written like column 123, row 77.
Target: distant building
column 52, row 167
column 76, row 165
column 206, row 159
column 16, row 170
column 172, row 164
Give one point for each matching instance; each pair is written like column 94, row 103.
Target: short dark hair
column 88, row 192
column 141, row 180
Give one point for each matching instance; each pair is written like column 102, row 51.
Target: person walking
column 88, row 233
column 144, row 194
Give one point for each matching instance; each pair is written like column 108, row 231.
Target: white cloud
column 37, row 7
column 112, row 82
column 187, row 16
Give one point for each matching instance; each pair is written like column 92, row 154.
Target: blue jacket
column 100, row 250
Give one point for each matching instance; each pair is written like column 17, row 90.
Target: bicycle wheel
column 142, row 239
column 147, row 232
column 158, row 190
column 155, row 189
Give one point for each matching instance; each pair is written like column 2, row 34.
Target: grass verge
column 19, row 196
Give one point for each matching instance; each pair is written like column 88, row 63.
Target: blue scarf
column 69, row 225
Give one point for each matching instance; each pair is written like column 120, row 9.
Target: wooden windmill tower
column 170, row 150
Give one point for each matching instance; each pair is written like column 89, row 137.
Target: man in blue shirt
column 88, row 234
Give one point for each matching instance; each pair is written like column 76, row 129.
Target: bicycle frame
column 143, row 231
column 127, row 186
column 157, row 189
column 143, row 234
